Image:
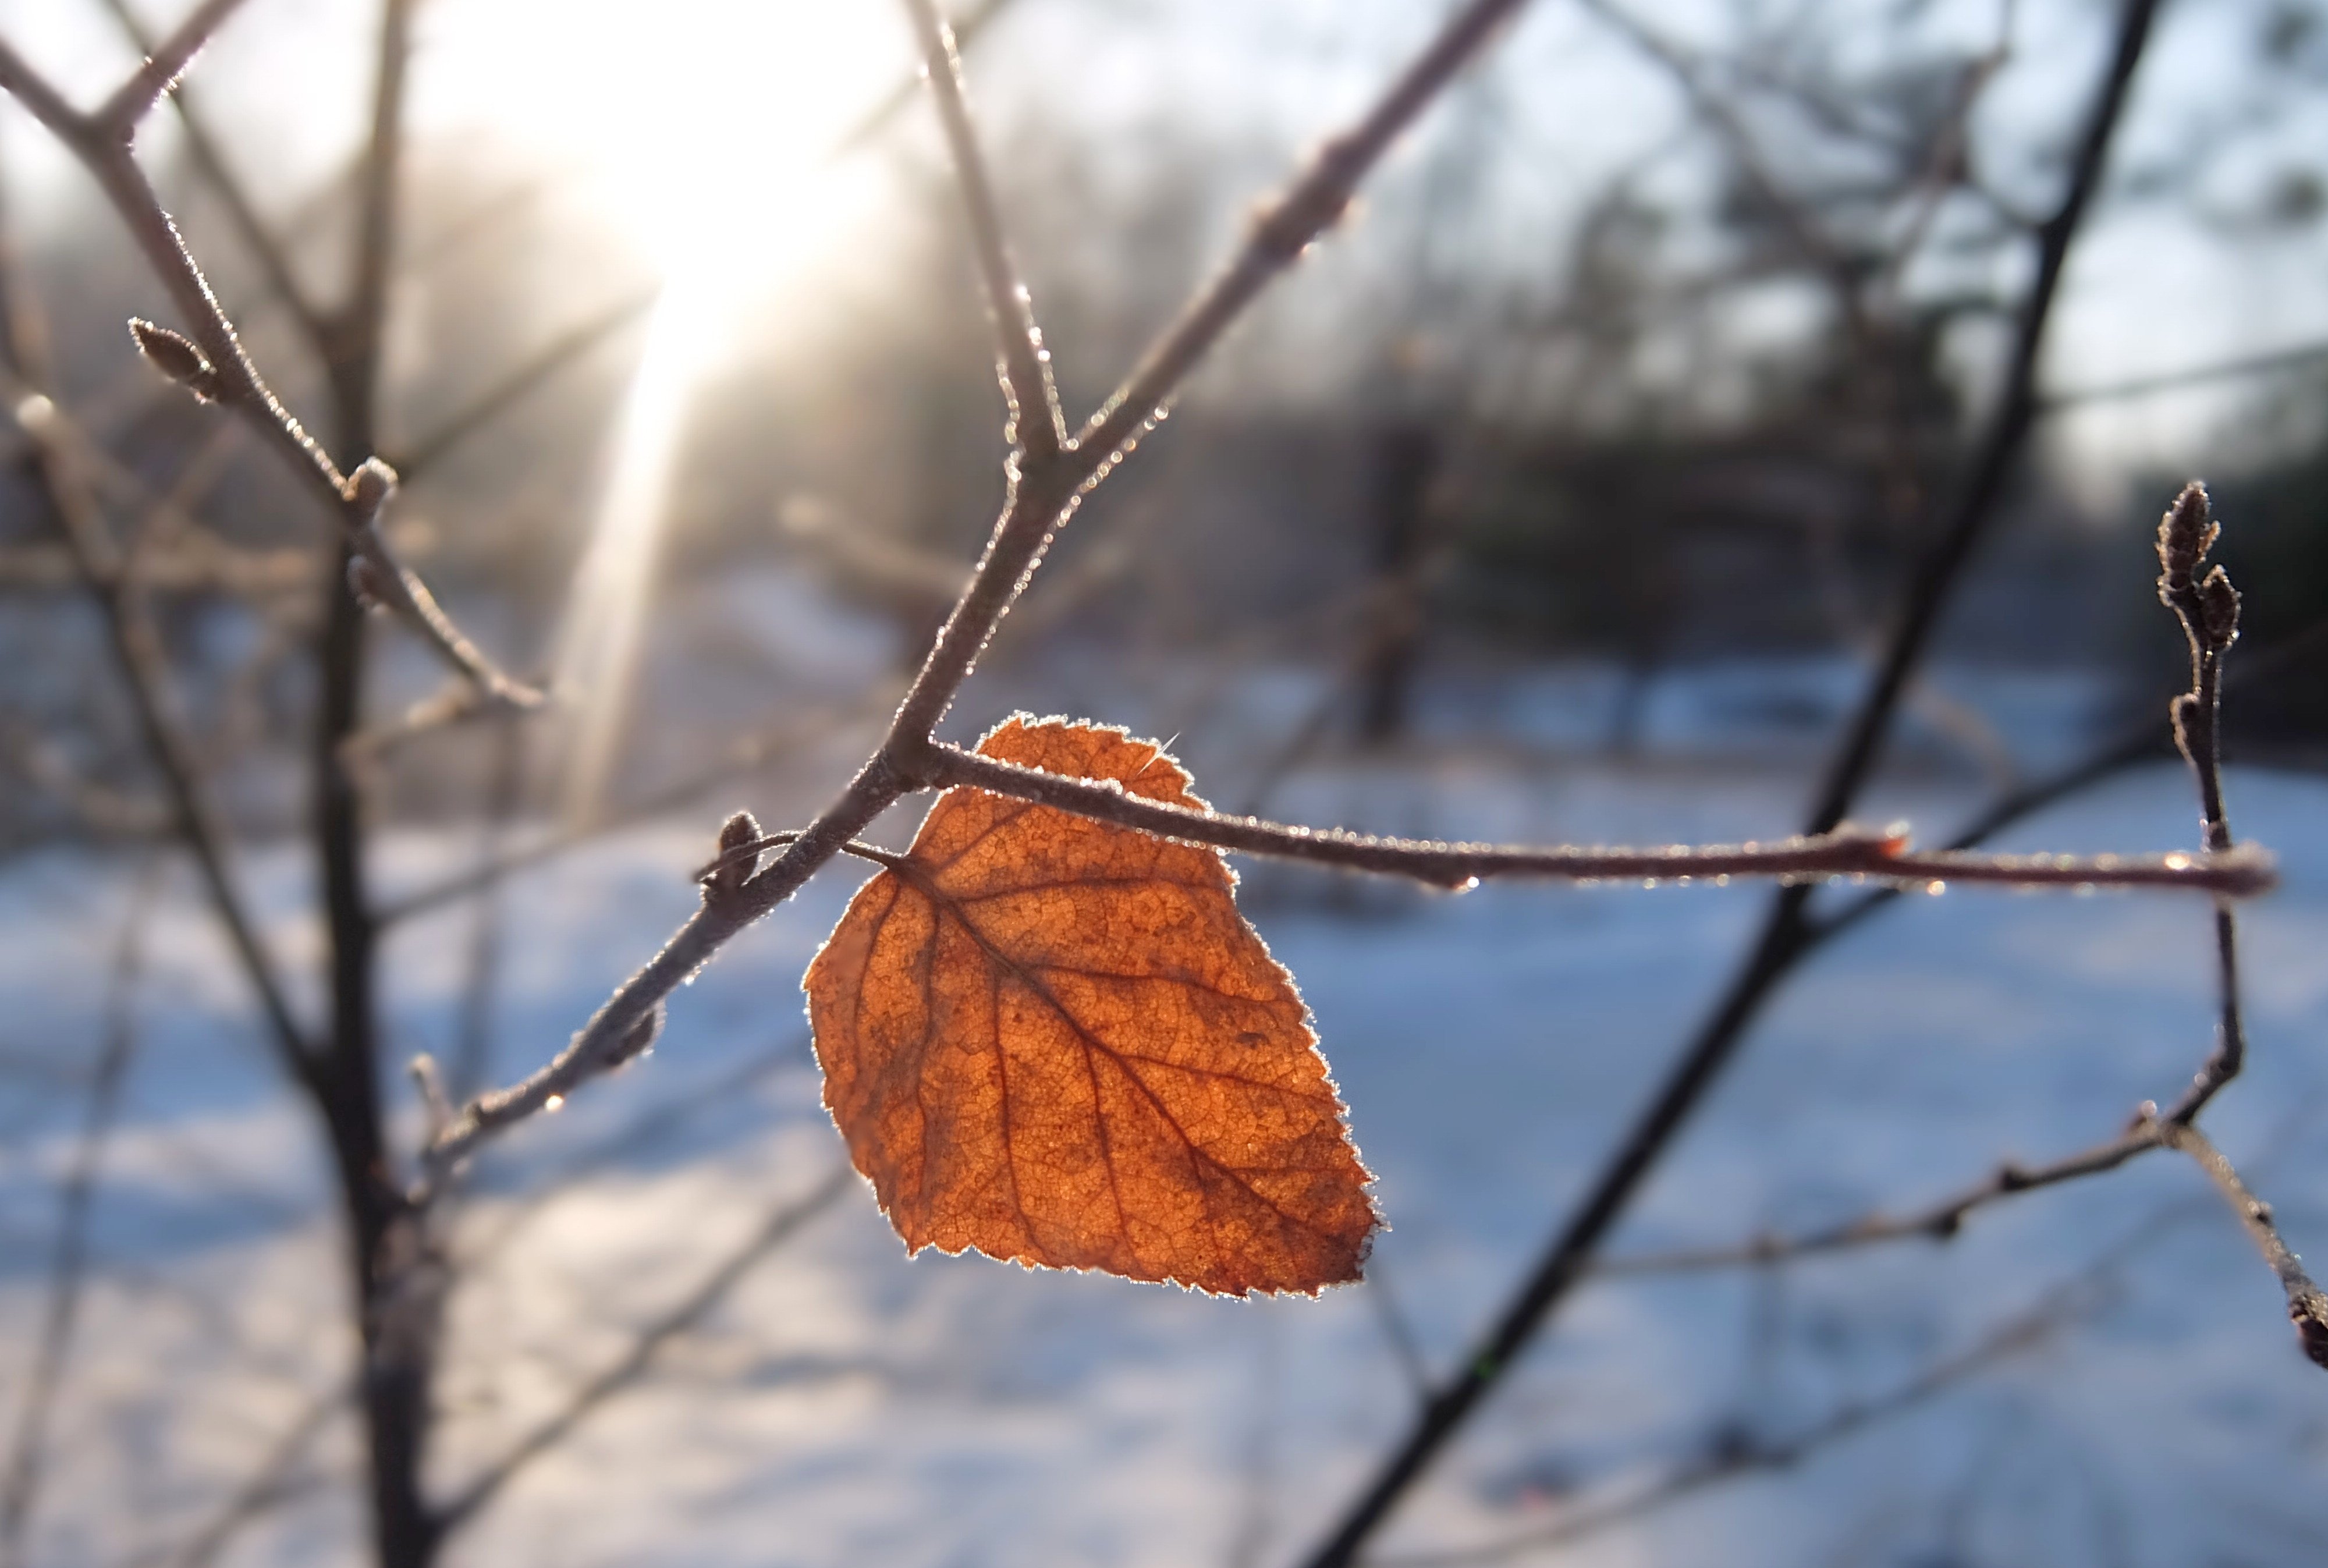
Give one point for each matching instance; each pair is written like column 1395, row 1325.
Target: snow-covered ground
column 846, row 1404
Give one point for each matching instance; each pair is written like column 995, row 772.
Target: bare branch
column 208, row 159
column 1940, row 1221
column 964, row 27
column 134, row 100
column 1846, row 853
column 32, row 90
column 1285, row 228
column 1036, row 425
column 2208, row 610
column 2137, row 743
column 2307, row 1307
column 780, row 1225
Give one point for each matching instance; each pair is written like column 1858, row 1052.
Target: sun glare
column 704, row 129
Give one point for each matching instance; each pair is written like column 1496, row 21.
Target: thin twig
column 471, row 1056
column 2139, row 742
column 134, row 100
column 1284, row 228
column 1844, row 852
column 965, row 27
column 69, row 1262
column 2208, row 610
column 1398, row 1332
column 1035, row 425
column 780, row 1225
column 2307, row 1307
column 208, row 159
column 1757, row 1455
column 456, row 705
column 1939, row 1221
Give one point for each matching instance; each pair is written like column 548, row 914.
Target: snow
column 848, row 1404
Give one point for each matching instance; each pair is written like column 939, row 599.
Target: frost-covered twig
column 1844, row 852
column 2307, row 1307
column 2208, row 610
column 1036, row 428
column 1936, row 1221
column 208, row 160
column 135, row 99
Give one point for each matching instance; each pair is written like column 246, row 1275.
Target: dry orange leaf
column 1055, row 1040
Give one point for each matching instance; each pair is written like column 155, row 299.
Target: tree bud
column 175, row 356
column 2219, row 610
column 2185, row 534
column 737, row 859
